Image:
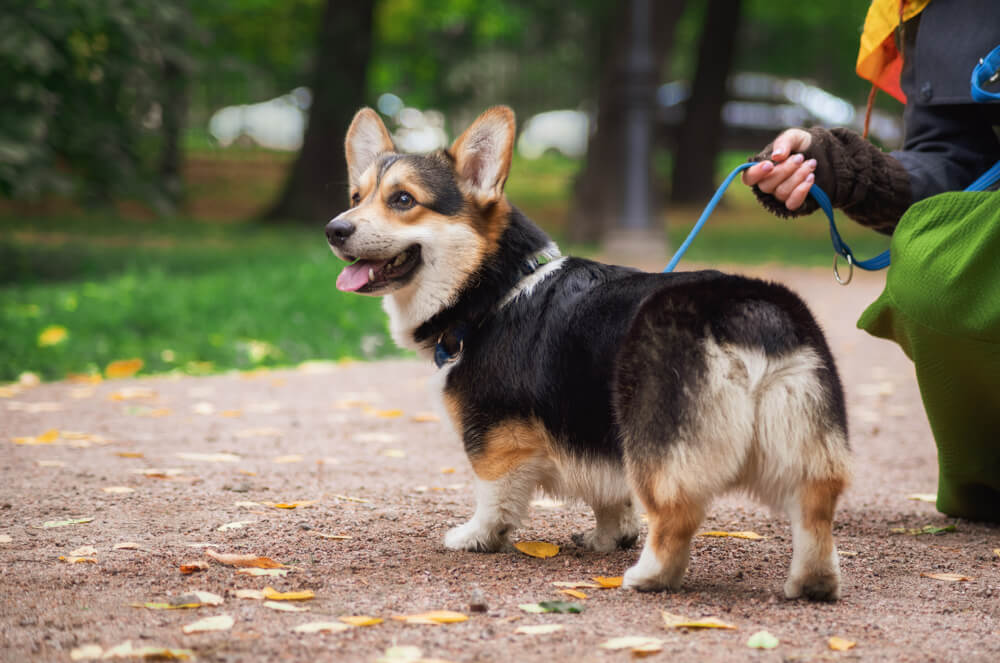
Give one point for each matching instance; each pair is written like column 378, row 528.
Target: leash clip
column 850, row 271
column 996, row 74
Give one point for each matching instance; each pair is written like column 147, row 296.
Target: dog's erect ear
column 482, row 155
column 366, row 139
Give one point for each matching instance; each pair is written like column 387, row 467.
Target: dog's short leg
column 617, row 527
column 814, row 572
column 665, row 555
column 501, row 506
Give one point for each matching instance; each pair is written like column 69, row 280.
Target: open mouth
column 365, row 275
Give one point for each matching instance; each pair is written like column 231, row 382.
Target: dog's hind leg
column 814, row 571
column 667, row 550
column 617, row 527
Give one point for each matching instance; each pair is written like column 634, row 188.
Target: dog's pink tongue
column 354, row 276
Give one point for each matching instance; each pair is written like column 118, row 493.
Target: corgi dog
column 593, row 381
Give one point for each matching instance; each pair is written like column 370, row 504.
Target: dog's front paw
column 473, row 536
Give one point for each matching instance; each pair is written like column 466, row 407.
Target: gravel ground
column 351, row 437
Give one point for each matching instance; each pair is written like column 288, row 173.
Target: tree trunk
column 699, row 138
column 599, row 199
column 175, row 108
column 317, row 185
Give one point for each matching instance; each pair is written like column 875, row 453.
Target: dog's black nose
column 338, row 230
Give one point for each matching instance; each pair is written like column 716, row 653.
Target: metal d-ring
column 850, row 272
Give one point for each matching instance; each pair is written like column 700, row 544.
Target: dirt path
column 395, row 485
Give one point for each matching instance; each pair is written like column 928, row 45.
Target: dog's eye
column 402, row 200
column 355, row 198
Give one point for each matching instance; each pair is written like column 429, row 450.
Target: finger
column 780, row 173
column 798, row 195
column 785, row 188
column 790, row 142
column 756, row 173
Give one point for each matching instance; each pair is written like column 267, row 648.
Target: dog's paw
column 473, row 537
column 635, row 578
column 598, row 541
column 815, row 587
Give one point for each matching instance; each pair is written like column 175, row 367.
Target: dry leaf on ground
column 762, row 640
column 923, row 497
column 577, row 585
column 401, row 654
column 348, row 498
column 425, row 418
column 187, row 568
column 433, row 617
column 274, row 595
column 209, row 624
column 279, row 573
column 360, row 620
column 123, row 368
column 209, row 458
column 638, row 644
column 948, row 577
column 284, row 607
column 671, row 620
column 575, row 593
column 118, row 490
column 996, row 551
column 608, row 582
column 64, row 523
column 840, row 644
column 253, row 594
column 237, row 524
column 290, row 505
column 321, row 627
column 753, row 536
column 244, row 561
column 538, row 629
column 538, row 549
column 128, row 545
column 196, row 599
column 126, row 650
column 72, row 559
column 333, row 537
column 48, row 437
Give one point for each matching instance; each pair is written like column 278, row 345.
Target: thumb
column 790, row 142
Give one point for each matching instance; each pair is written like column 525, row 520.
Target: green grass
column 201, row 295
column 190, row 297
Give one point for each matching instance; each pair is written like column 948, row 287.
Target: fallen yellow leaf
column 291, row 458
column 289, row 505
column 284, row 607
column 48, row 437
column 123, row 368
column 753, row 536
column 393, row 453
column 537, row 548
column 244, row 561
column 118, row 490
column 188, row 568
column 132, row 393
column 577, row 585
column 274, row 595
column 129, row 454
column 84, row 378
column 608, row 583
column 52, row 335
column 538, row 629
column 348, row 498
column 51, row 463
column 78, row 560
column 996, row 551
column 923, row 497
column 575, row 593
column 360, row 620
column 335, row 537
column 949, row 577
column 321, row 627
column 840, row 644
column 638, row 644
column 433, row 617
column 425, row 418
column 249, row 473
column 254, row 594
column 677, row 621
column 262, row 572
column 127, row 545
column 209, row 624
column 62, row 523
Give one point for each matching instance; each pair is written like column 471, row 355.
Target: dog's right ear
column 366, row 139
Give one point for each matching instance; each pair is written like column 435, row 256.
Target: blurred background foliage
column 116, row 196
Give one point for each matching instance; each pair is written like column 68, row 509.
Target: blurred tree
column 699, row 139
column 317, row 184
column 82, row 106
column 598, row 199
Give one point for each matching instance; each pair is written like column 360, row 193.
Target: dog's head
column 420, row 225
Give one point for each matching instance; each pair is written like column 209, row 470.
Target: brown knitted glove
column 868, row 184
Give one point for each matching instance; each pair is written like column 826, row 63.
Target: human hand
column 787, row 176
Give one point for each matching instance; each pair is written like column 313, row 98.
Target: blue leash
column 840, row 247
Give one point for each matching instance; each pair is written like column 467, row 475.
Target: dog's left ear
column 483, row 153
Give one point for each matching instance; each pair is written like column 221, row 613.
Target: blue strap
column 880, row 261
column 986, row 72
